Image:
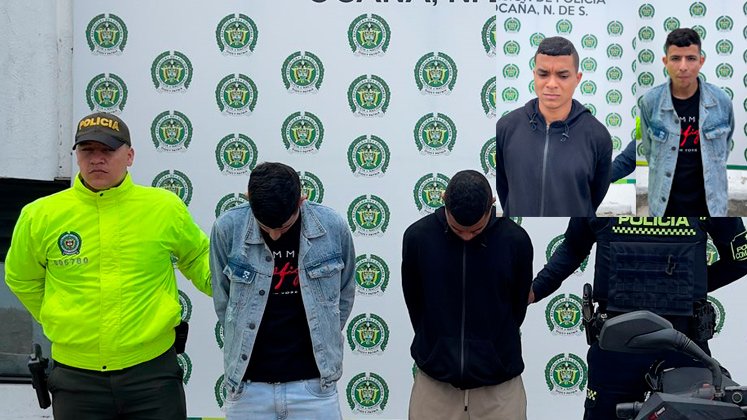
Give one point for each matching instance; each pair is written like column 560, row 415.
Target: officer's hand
column 530, row 299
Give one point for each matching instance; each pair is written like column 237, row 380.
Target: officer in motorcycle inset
column 657, row 264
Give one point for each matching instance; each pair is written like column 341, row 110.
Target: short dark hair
column 556, row 46
column 468, row 197
column 273, row 191
column 682, row 37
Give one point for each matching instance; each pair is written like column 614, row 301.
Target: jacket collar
column 706, row 97
column 109, row 194
column 311, row 226
column 440, row 214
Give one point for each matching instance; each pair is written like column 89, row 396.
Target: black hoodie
column 466, row 299
column 560, row 171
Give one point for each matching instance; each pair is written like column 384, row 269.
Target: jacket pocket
column 716, row 138
column 324, row 279
column 242, row 278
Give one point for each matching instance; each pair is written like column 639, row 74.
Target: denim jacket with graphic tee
column 660, row 133
column 242, row 266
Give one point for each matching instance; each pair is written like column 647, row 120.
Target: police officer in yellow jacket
column 93, row 265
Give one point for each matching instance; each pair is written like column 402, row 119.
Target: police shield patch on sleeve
column 739, row 247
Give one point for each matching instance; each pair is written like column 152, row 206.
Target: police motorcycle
column 680, row 393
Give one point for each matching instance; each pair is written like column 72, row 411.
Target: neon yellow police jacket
column 95, row 269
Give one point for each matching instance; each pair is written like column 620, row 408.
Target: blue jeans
column 285, row 400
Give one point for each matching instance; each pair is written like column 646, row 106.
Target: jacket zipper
column 544, row 170
column 464, row 309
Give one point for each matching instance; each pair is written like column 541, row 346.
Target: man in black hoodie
column 552, row 156
column 465, row 276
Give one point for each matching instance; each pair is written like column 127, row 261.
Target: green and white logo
column 236, row 34
column 614, row 97
column 589, row 42
column 69, row 243
column 646, row 79
column 490, row 36
column 219, row 334
column 615, row 28
column 553, row 246
column 186, row 304
column 106, row 34
column 221, row 393
column 536, row 38
column 171, row 131
column 564, row 27
column 724, row 24
column 591, row 108
column 711, row 252
column 724, row 47
column 230, row 201
column 563, row 315
column 532, row 63
column 671, row 23
column 698, row 10
column 171, row 71
column 512, row 25
column 728, row 91
column 369, row 35
column 368, row 215
column 236, row 94
column 646, row 34
column 302, row 132
column 511, row 48
column 646, row 56
column 510, row 95
column 588, row 88
column 702, row 32
column 106, row 92
column 633, row 65
column 614, row 51
column 720, row 314
column 371, row 275
column 488, row 97
column 566, row 374
column 311, row 187
column 724, row 71
column 646, row 11
column 368, row 96
column 175, row 181
column 428, row 192
column 186, row 364
column 236, row 154
column 588, row 65
column 531, row 91
column 435, row 73
column 367, row 393
column 616, row 143
column 614, row 74
column 613, row 120
column 367, row 334
column 368, row 156
column 303, row 72
column 487, row 157
column 435, row 134
column 511, row 71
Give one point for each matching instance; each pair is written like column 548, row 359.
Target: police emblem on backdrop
column 428, row 192
column 368, row 215
column 106, row 92
column 311, row 187
column 489, row 36
column 646, row 11
column 566, row 374
column 564, row 27
column 106, row 34
column 615, row 28
column 171, row 131
column 175, row 181
column 536, row 38
column 371, row 275
column 220, row 391
column 563, row 315
column 589, row 42
column 367, row 393
column 488, row 97
column 219, row 334
column 171, row 71
column 435, row 73
column 367, row 334
column 368, row 156
column 487, row 157
column 236, row 154
column 511, row 48
column 186, row 364
column 236, row 94
column 435, row 134
column 186, row 304
column 368, row 96
column 369, row 35
column 302, row 72
column 302, row 132
column 698, row 10
column 228, row 202
column 720, row 314
column 236, row 34
column 553, row 246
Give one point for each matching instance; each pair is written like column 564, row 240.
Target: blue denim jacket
column 242, row 265
column 660, row 129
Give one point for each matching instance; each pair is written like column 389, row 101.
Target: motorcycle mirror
column 618, row 332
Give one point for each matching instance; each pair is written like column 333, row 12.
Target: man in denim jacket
column 283, row 289
column 687, row 126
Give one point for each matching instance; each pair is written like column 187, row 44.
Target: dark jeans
column 620, row 377
column 151, row 390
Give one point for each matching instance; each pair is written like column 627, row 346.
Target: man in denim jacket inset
column 687, row 126
column 283, row 289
